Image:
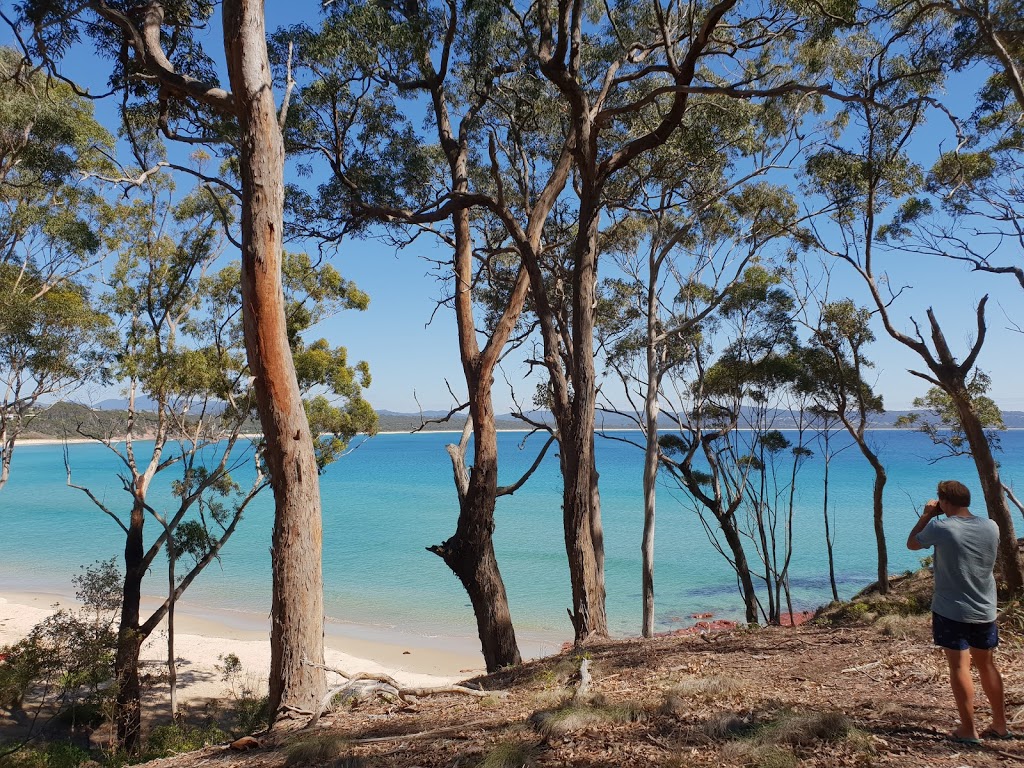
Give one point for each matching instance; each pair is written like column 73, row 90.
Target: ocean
column 393, row 496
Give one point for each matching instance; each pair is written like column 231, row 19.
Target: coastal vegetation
column 658, row 211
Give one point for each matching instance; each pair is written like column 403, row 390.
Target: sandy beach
column 204, row 636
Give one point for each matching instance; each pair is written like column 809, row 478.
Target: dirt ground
column 872, row 692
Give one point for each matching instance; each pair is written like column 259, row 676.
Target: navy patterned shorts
column 959, row 635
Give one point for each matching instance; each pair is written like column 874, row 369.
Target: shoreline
column 204, row 635
column 51, row 441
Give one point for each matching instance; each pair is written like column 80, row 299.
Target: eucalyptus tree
column 353, row 73
column 591, row 93
column 837, row 366
column 179, row 351
column 625, row 91
column 969, row 207
column 50, row 224
column 723, row 406
column 864, row 177
column 166, row 77
column 697, row 242
column 941, row 422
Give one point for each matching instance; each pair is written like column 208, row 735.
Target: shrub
column 56, row 754
column 176, row 738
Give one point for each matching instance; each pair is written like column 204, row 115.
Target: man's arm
column 931, row 511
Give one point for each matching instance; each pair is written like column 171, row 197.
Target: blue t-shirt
column 965, row 555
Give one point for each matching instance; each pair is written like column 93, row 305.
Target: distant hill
column 63, row 419
column 785, row 420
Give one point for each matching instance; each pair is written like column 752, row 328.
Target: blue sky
column 412, row 356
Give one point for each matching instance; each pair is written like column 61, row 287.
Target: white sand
column 202, row 637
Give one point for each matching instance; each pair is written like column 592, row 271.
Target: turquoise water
column 390, row 499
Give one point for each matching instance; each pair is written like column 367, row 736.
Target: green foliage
column 177, row 738
column 51, row 222
column 69, row 656
column 249, row 712
column 98, row 587
column 754, row 755
column 334, row 406
column 54, row 754
column 942, row 419
column 834, row 364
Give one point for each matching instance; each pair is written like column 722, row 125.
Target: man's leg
column 963, row 691
column 992, row 684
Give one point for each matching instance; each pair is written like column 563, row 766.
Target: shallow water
column 393, row 497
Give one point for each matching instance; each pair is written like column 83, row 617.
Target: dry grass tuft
column 759, row 755
column 802, row 729
column 318, row 750
column 549, row 698
column 510, row 754
column 572, row 717
column 707, row 687
column 916, row 628
column 557, row 674
column 719, row 727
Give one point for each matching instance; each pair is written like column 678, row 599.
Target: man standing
column 964, row 605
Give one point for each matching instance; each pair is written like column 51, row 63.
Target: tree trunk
column 588, row 596
column 172, row 664
column 992, row 488
column 470, row 555
column 470, row 552
column 828, row 532
column 297, row 617
column 128, row 703
column 650, row 498
column 739, row 556
column 584, row 543
column 6, row 454
column 876, row 498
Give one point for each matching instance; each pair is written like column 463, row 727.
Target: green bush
column 55, row 754
column 173, row 739
column 249, row 714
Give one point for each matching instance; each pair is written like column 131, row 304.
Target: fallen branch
column 385, row 685
column 422, row 734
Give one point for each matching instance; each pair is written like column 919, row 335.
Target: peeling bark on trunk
column 7, row 446
column 297, row 621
